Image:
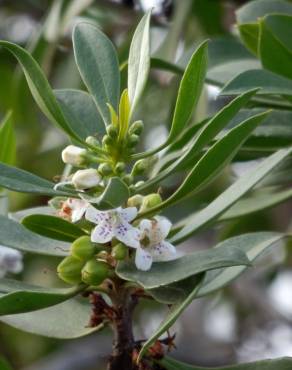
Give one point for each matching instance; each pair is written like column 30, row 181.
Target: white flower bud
column 10, row 261
column 74, row 155
column 86, row 179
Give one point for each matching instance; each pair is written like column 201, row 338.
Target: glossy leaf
column 80, row 112
column 7, row 140
column 67, row 320
column 249, row 34
column 115, row 194
column 13, row 178
column 181, row 268
column 275, row 46
column 39, row 87
column 268, row 82
column 52, row 227
column 279, row 364
column 139, row 60
column 215, row 159
column 20, row 297
column 14, row 235
column 203, row 137
column 98, row 65
column 231, row 195
column 253, row 244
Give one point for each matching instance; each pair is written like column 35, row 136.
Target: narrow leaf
column 7, row 140
column 98, row 65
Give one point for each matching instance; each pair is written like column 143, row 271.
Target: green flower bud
column 128, row 179
column 120, row 167
column 107, row 140
column 112, row 131
column 94, row 272
column 135, row 201
column 69, row 270
column 132, row 141
column 150, row 201
column 105, row 169
column 83, row 248
column 136, row 128
column 119, row 252
column 139, row 183
column 91, row 140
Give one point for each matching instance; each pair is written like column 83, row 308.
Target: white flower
column 86, row 179
column 114, row 223
column 10, row 261
column 153, row 247
column 74, row 209
column 73, row 155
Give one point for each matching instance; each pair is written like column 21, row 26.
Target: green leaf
column 39, row 87
column 80, row 112
column 277, row 364
column 231, row 195
column 268, row 82
column 98, row 65
column 21, row 297
column 7, row 140
column 4, row 365
column 14, row 235
column 190, row 90
column 67, row 320
column 115, row 194
column 52, row 227
column 181, row 268
column 19, row 215
column 139, row 60
column 203, row 137
column 249, row 34
column 13, row 178
column 253, row 244
column 214, row 160
column 275, row 45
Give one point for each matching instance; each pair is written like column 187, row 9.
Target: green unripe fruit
column 120, row 167
column 95, row 272
column 132, row 141
column 150, row 201
column 69, row 270
column 119, row 252
column 136, row 128
column 105, row 169
column 112, row 131
column 91, row 140
column 83, row 248
column 128, row 179
column 135, row 201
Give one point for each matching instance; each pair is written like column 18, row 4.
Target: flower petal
column 145, row 226
column 128, row 214
column 163, row 251
column 143, row 259
column 163, row 226
column 102, row 233
column 127, row 234
column 95, row 216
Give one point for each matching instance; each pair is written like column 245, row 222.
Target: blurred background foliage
column 252, row 318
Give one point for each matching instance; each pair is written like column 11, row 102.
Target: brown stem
column 122, row 325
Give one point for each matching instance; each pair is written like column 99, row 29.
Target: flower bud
column 136, row 128
column 94, row 272
column 150, row 201
column 135, row 201
column 120, row 167
column 86, row 179
column 132, row 141
column 112, row 131
column 128, row 179
column 107, row 140
column 139, row 183
column 74, row 155
column 69, row 270
column 143, row 165
column 105, row 169
column 83, row 248
column 91, row 140
column 119, row 252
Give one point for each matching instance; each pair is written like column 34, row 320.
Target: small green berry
column 95, row 272
column 83, row 248
column 119, row 252
column 69, row 270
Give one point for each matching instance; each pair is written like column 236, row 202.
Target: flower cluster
column 10, row 261
column 146, row 236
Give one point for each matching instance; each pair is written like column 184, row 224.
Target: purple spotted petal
column 103, row 233
column 143, row 259
column 127, row 234
column 97, row 217
column 163, row 251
